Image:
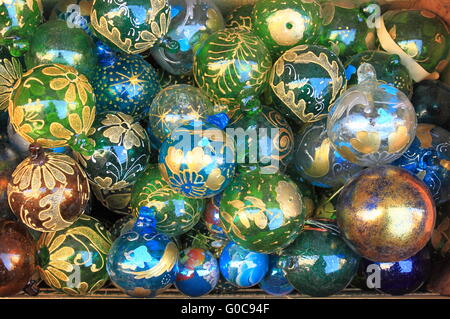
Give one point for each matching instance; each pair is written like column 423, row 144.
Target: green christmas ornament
column 232, row 65
column 10, row 72
column 121, row 152
column 18, row 22
column 240, row 17
column 54, row 106
column 420, row 38
column 73, row 260
column 55, row 42
column 388, row 67
column 262, row 212
column 282, row 25
column 263, row 139
column 345, row 28
column 132, row 26
column 319, row 263
column 307, row 79
column 174, row 213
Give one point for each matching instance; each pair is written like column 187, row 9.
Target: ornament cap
column 366, row 72
column 36, row 153
column 170, row 45
column 220, row 120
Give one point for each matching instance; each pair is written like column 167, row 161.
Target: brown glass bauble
column 48, row 191
column 17, row 257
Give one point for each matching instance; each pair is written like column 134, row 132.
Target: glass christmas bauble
column 132, row 26
column 307, row 80
column 128, row 86
column 275, row 282
column 263, row 139
column 198, row 272
column 401, row 277
column 262, row 212
column 211, row 218
column 282, row 25
column 17, row 257
column 9, row 159
column 241, row 267
column 198, row 160
column 56, row 43
column 191, row 23
column 319, row 263
column 76, row 13
column 73, row 260
column 121, row 151
column 48, row 191
column 18, row 22
column 306, row 189
column 345, row 28
column 317, row 162
column 174, row 213
column 142, row 262
column 232, row 65
column 388, row 67
column 115, row 200
column 165, row 79
column 428, row 158
column 419, row 37
column 10, row 72
column 240, row 17
column 372, row 123
column 430, row 99
column 53, row 105
column 174, row 106
column 386, row 214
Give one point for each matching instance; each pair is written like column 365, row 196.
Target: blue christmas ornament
column 399, row 278
column 428, row 158
column 198, row 160
column 105, row 55
column 142, row 263
column 198, row 272
column 275, row 282
column 242, row 267
column 128, row 85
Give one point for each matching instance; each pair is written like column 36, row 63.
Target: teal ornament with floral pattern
column 53, row 105
column 346, row 29
column 73, row 260
column 262, row 212
column 132, row 26
column 420, row 38
column 307, row 80
column 128, row 85
column 282, row 25
column 388, row 67
column 192, row 22
column 198, row 160
column 121, row 153
column 175, row 214
column 18, row 22
column 232, row 67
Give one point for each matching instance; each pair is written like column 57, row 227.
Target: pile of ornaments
column 215, row 145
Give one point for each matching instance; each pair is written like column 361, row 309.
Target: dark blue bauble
column 275, row 282
column 241, row 267
column 128, row 86
column 141, row 262
column 105, row 55
column 401, row 277
column 428, row 158
column 198, row 272
column 431, row 102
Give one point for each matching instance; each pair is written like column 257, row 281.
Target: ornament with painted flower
column 122, row 151
column 53, row 105
column 372, row 123
column 198, row 160
column 262, row 212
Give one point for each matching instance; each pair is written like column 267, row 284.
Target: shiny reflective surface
column 241, row 267
column 212, row 218
column 319, row 263
column 317, row 162
column 275, row 282
column 17, row 257
column 386, row 214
